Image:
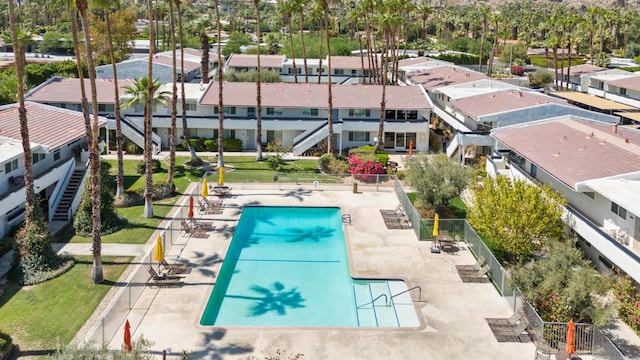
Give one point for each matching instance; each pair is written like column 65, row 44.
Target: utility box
column 355, row 187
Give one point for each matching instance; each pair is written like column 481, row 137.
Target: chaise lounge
column 161, row 279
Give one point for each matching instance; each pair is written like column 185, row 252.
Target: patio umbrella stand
column 436, row 223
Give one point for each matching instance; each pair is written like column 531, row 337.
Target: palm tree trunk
column 569, row 61
column 18, row 49
column 116, row 90
column 304, row 49
column 185, row 127
column 83, row 93
column 174, row 98
column 320, row 60
column 330, row 146
column 383, row 101
column 484, row 32
column 148, row 115
column 94, row 153
column 259, row 85
column 204, row 62
column 555, row 66
column 293, row 54
column 220, row 93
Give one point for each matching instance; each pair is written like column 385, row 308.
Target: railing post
column 377, row 181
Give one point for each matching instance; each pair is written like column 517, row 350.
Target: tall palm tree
column 286, row 9
column 106, row 5
column 200, row 27
column 496, row 18
column 327, row 29
column 256, row 4
column 18, row 51
column 148, row 117
column 220, row 90
column 94, row 152
column 174, row 97
column 484, row 13
column 185, row 127
column 300, row 6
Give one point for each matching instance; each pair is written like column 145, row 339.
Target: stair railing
column 386, row 301
column 60, row 187
column 78, row 196
column 406, row 291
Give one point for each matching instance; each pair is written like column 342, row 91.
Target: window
column 102, row 108
column 618, row 210
column 228, row 110
column 338, row 72
column 138, row 107
column 359, row 136
column 274, row 111
column 590, row 194
column 10, row 166
column 310, row 112
column 623, row 91
column 412, row 114
column 534, row 171
column 37, row 157
column 191, row 107
column 359, row 113
column 226, row 134
column 354, row 72
column 56, row 155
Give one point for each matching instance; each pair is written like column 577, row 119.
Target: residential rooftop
column 251, row 61
column 308, row 95
column 630, row 83
column 441, row 76
column 583, row 69
column 575, row 150
column 499, row 101
column 479, row 87
column 67, row 90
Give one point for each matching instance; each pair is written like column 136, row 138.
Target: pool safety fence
column 590, row 340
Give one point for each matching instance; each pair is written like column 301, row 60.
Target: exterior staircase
column 62, row 211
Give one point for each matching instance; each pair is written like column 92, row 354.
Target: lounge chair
column 162, row 279
column 513, row 330
column 479, row 276
column 510, row 321
column 200, row 224
column 472, row 268
column 175, row 268
column 186, row 228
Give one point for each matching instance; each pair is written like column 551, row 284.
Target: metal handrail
column 406, row 291
column 386, row 301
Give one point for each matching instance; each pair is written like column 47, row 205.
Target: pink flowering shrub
column 364, row 167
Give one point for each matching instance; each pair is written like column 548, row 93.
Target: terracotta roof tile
column 583, row 69
column 631, row 83
column 48, row 125
column 440, row 76
column 573, row 149
column 248, row 61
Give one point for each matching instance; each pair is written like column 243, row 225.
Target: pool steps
column 372, row 311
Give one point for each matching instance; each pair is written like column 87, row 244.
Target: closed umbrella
column 410, row 148
column 205, row 188
column 436, row 224
column 190, row 215
column 221, row 177
column 571, row 337
column 158, row 254
column 127, row 336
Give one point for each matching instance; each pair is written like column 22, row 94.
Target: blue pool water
column 287, row 266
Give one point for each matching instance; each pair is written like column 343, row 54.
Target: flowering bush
column 628, row 299
column 363, row 167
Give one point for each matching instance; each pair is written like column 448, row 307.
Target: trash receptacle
column 355, row 187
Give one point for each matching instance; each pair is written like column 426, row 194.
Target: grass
column 40, row 317
column 247, row 169
column 456, row 208
column 139, row 228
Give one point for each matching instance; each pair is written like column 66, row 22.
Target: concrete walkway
column 108, row 249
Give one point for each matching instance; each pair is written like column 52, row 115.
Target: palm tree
column 327, row 29
column 137, row 93
column 220, row 91
column 148, row 116
column 94, row 152
column 496, row 18
column 18, row 51
column 256, row 3
column 301, row 6
column 174, row 98
column 484, row 12
column 185, row 128
column 200, row 26
column 286, row 8
column 105, row 5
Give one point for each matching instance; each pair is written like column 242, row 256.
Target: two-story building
column 595, row 165
column 58, row 146
column 576, row 78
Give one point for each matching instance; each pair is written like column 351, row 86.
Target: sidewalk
column 108, row 249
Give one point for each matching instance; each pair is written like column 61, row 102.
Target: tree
column 200, row 27
column 300, row 6
column 174, row 97
column 518, row 217
column 256, row 3
column 114, row 34
column 94, row 150
column 286, row 8
column 138, row 93
column 148, row 98
column 437, row 179
column 563, row 285
column 105, row 5
column 220, row 144
column 325, row 12
column 540, row 79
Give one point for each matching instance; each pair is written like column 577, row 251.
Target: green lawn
column 247, row 169
column 41, row 316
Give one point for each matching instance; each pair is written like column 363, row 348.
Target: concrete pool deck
column 453, row 312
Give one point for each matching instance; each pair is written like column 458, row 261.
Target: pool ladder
column 387, row 301
column 346, row 219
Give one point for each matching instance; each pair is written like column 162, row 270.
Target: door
column 400, row 141
column 389, row 140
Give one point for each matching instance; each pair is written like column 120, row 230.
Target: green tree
column 518, row 217
column 112, row 30
column 54, row 42
column 437, row 179
column 564, row 285
column 540, row 79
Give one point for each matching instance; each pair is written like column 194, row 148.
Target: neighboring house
column 162, row 67
column 625, row 91
column 58, row 143
column 598, row 80
column 595, row 165
column 576, row 78
column 414, row 65
column 244, row 62
column 296, row 115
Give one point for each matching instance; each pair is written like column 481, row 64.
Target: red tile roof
column 166, row 60
column 67, row 90
column 476, row 106
column 48, row 125
column 349, row 62
column 251, row 61
column 631, row 83
column 574, row 150
column 315, row 96
column 441, row 76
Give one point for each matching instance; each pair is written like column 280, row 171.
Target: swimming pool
column 288, row 266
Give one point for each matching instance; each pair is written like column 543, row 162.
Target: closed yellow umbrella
column 221, row 177
column 205, row 188
column 158, row 255
column 436, row 220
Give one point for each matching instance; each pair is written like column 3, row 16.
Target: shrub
column 156, row 166
column 131, row 147
column 160, row 191
column 628, row 300
column 364, row 166
column 210, row 145
column 232, row 144
column 517, row 70
column 197, row 143
column 5, row 342
column 324, row 162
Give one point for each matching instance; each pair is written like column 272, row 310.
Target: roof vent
column 614, row 128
